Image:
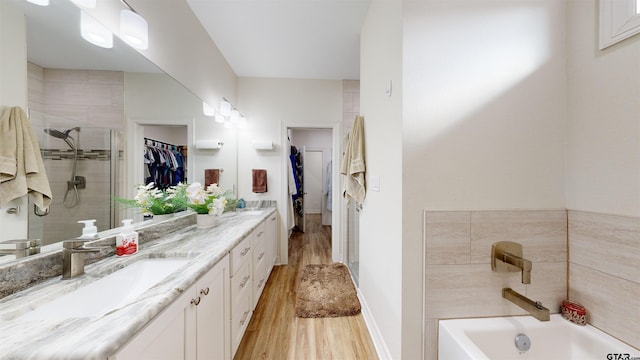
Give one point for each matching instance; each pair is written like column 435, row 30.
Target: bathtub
column 494, row 339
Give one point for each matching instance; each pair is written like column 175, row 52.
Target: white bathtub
column 494, row 339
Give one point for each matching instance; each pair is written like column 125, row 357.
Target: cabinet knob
column 195, row 301
column 204, row 291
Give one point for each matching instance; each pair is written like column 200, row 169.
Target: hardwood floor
column 274, row 331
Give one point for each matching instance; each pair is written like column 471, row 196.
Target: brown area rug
column 326, row 291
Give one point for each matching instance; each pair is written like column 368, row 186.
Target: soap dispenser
column 127, row 239
column 90, row 231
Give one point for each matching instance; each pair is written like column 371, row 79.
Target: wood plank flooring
column 274, row 331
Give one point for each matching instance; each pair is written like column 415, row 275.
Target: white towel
column 353, row 164
column 21, row 168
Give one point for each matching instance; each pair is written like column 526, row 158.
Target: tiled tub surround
column 100, row 337
column 458, row 279
column 604, row 271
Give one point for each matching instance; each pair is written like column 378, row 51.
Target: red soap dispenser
column 127, row 240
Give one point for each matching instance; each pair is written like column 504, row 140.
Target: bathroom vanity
column 187, row 295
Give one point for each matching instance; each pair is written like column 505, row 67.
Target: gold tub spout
column 534, row 308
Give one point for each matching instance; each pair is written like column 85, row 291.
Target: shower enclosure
column 84, row 180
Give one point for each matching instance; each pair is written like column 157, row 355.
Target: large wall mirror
column 94, row 110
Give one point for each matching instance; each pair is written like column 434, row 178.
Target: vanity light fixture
column 39, row 2
column 134, row 29
column 94, row 32
column 208, row 110
column 219, row 118
column 225, row 107
column 88, row 4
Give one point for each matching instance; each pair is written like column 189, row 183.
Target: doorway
column 317, row 142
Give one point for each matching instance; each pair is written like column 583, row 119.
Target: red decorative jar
column 574, row 312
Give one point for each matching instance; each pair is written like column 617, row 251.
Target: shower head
column 63, row 135
column 57, row 133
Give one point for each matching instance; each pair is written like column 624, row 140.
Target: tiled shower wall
column 63, row 99
column 458, row 278
column 604, row 271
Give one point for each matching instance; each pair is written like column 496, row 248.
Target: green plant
column 153, row 201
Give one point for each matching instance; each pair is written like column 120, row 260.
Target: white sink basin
column 110, row 292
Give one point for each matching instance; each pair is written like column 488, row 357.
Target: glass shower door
column 81, row 164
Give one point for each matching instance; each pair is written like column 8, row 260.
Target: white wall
column 484, row 109
column 13, row 92
column 603, row 147
column 270, row 104
column 381, row 239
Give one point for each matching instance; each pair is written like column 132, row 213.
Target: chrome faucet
column 73, row 257
column 507, row 256
column 534, row 308
column 20, row 248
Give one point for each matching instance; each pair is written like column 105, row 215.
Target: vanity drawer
column 240, row 317
column 241, row 253
column 241, row 281
column 259, row 280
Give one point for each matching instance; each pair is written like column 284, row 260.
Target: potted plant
column 156, row 202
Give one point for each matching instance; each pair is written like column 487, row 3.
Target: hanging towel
column 211, row 176
column 21, row 168
column 353, row 165
column 259, row 180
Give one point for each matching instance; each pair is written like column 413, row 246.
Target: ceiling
column 301, row 39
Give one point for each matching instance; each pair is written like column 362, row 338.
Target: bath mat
column 326, row 291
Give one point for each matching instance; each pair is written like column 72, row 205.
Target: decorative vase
column 163, row 217
column 204, row 221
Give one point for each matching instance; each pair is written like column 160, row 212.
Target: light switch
column 375, row 183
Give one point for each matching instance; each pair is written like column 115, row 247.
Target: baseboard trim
column 374, row 331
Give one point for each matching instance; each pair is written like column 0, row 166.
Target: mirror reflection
column 95, row 112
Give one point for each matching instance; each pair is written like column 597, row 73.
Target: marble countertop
column 100, row 337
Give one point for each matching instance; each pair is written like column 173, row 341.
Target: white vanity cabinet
column 194, row 326
column 271, row 240
column 259, row 262
column 241, row 285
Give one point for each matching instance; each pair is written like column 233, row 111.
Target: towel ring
column 37, row 211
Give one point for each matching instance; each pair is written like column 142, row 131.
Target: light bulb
column 94, row 32
column 225, row 108
column 134, row 29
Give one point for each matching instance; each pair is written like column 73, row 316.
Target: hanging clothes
column 164, row 164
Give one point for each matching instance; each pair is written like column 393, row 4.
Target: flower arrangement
column 211, row 200
column 154, row 201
